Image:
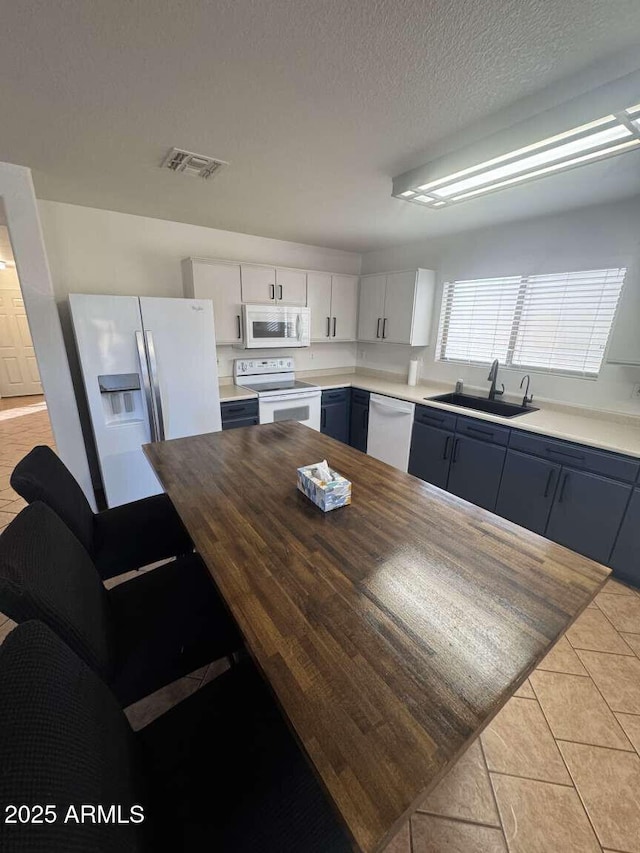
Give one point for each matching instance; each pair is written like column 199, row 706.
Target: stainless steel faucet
column 493, row 375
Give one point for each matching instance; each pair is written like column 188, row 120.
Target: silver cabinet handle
column 155, row 384
column 334, row 327
column 146, row 384
column 272, row 291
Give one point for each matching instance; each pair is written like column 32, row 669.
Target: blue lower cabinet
column 476, row 468
column 527, row 490
column 334, row 414
column 359, row 427
column 625, row 560
column 587, row 513
column 430, row 453
column 239, row 414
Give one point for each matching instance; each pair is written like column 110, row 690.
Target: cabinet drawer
column 242, row 409
column 483, row 430
column 335, row 395
column 435, row 417
column 234, row 423
column 577, row 456
column 360, row 396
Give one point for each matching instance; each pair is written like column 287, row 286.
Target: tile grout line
column 566, row 740
column 491, row 788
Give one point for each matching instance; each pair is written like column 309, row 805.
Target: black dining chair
column 138, row 636
column 220, row 771
column 119, row 539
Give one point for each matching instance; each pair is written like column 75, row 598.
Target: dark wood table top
column 391, row 630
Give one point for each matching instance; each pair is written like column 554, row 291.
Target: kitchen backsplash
column 318, row 356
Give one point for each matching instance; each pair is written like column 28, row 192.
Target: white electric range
column 281, row 397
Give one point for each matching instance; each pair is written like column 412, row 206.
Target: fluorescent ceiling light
column 3, row 265
column 604, row 137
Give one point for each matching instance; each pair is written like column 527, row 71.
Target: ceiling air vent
column 192, row 164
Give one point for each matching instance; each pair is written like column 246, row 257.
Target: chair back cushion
column 64, row 742
column 46, row 574
column 43, row 476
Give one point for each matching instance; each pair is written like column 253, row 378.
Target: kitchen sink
column 483, row 404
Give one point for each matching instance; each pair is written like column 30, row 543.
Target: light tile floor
column 557, row 771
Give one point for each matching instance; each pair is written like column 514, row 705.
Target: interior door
column 319, row 297
column 344, row 307
column 371, row 307
column 398, row 307
column 18, row 368
column 181, row 345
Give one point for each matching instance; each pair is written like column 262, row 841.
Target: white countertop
column 609, row 431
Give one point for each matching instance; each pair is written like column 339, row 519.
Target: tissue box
column 325, row 494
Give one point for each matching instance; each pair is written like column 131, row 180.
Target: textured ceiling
column 316, row 103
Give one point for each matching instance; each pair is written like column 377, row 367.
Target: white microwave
column 269, row 326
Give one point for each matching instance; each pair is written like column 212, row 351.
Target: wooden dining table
column 391, row 630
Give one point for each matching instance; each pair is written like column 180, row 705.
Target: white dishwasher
column 390, row 425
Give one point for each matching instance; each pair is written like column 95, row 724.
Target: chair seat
column 226, row 767
column 136, row 534
column 168, row 622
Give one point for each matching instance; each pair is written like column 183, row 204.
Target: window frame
column 446, row 304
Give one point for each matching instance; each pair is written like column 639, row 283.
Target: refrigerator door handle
column 155, row 384
column 146, row 384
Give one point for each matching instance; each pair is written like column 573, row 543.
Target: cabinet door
column 430, row 454
column 398, row 307
column 527, row 489
column 221, row 284
column 291, row 287
column 476, row 468
column 258, row 283
column 359, row 427
column 344, row 307
column 334, row 421
column 587, row 513
column 371, row 307
column 319, row 296
column 625, row 560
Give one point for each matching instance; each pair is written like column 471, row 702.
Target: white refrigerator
column 150, row 373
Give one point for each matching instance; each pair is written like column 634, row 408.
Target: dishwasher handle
column 392, row 406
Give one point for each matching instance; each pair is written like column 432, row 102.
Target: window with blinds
column 557, row 323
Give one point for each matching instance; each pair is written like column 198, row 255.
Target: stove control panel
column 259, row 366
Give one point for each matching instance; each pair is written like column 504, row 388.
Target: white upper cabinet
column 371, row 308
column 397, row 307
column 344, row 307
column 333, row 303
column 319, row 301
column 258, row 283
column 262, row 285
column 291, row 286
column 220, row 282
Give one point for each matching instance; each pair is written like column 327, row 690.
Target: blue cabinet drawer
column 359, row 396
column 335, row 395
column 483, row 430
column 234, row 423
column 435, row 417
column 232, row 411
column 577, row 456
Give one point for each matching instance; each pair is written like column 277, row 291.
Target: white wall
column 602, row 236
column 101, row 251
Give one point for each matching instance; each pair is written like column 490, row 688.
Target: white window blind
column 559, row 323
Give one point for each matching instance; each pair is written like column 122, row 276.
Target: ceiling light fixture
column 605, row 137
column 3, row 265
